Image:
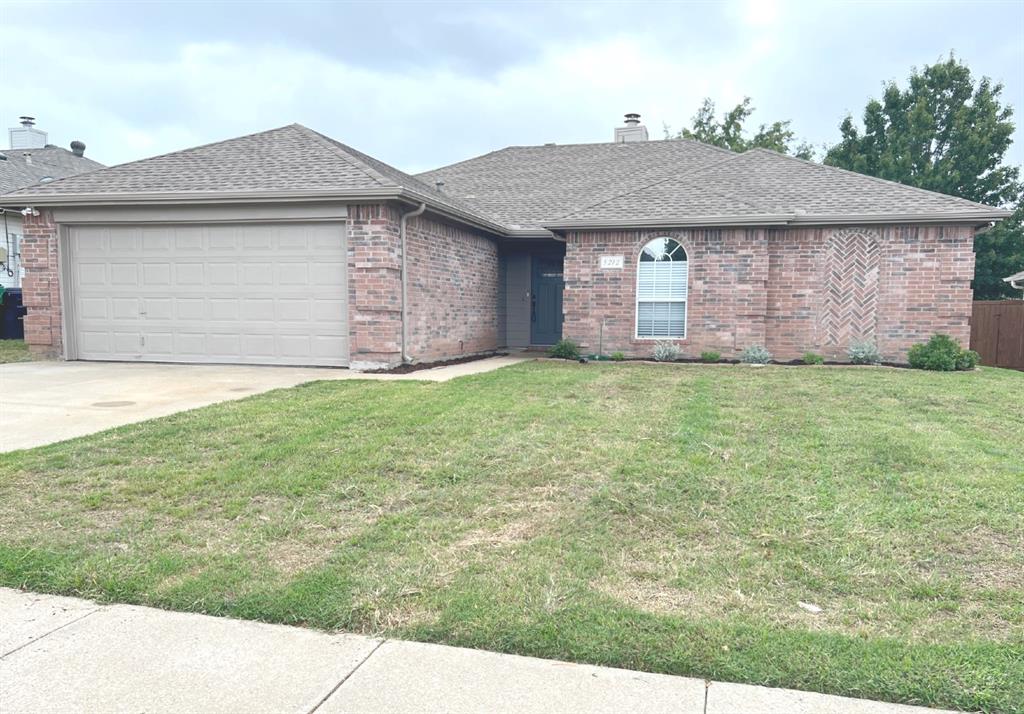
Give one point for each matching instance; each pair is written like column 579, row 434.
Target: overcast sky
column 423, row 84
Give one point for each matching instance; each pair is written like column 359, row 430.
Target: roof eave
column 975, row 217
column 677, row 222
column 172, row 198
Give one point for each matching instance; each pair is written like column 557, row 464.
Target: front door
column 546, row 300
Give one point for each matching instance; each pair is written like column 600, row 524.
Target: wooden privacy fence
column 997, row 332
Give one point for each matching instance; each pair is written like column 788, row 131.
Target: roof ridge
column 702, row 144
column 168, row 153
column 555, row 145
column 334, row 148
column 876, row 179
column 685, row 176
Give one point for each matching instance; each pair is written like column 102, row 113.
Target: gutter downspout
column 401, row 239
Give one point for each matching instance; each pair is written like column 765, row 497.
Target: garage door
column 223, row 293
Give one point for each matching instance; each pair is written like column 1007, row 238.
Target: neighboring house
column 287, row 247
column 29, row 161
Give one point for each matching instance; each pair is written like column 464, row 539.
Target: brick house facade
column 782, row 253
column 453, row 287
column 790, row 290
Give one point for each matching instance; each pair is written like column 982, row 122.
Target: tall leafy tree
column 729, row 132
column 946, row 132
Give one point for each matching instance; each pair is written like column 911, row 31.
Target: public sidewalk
column 67, row 655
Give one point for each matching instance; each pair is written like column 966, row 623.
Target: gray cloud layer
column 424, row 84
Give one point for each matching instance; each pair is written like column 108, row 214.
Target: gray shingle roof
column 290, row 158
column 529, row 185
column 279, row 159
column 52, row 161
column 763, row 182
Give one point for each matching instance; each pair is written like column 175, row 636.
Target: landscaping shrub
column 710, row 356
column 813, row 358
column 618, row 356
column 565, row 349
column 665, row 351
column 942, row 353
column 755, row 354
column 863, row 352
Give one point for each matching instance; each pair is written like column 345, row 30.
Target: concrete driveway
column 46, row 402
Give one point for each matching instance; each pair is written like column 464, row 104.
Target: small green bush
column 943, row 354
column 863, row 352
column 813, row 358
column 710, row 356
column 565, row 349
column 666, row 351
column 755, row 354
column 618, row 356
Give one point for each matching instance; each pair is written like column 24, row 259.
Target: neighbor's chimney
column 77, row 148
column 633, row 131
column 27, row 136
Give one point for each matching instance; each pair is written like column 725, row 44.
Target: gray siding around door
column 272, row 293
column 517, row 299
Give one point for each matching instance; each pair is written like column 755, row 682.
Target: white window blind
column 661, row 290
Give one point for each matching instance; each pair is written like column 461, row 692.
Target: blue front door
column 546, row 300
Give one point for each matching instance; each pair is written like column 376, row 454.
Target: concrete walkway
column 49, row 401
column 67, row 655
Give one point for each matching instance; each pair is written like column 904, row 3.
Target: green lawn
column 664, row 518
column 14, row 351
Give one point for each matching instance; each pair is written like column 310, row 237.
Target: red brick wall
column 791, row 290
column 374, row 286
column 41, row 285
column 727, row 298
column 452, row 290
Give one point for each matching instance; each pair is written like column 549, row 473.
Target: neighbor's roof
column 1014, row 278
column 523, row 189
column 289, row 162
column 16, row 171
column 761, row 186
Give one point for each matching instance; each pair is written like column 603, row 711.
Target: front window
column 661, row 287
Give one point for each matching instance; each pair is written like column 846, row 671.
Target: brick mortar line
column 344, row 679
column 47, row 634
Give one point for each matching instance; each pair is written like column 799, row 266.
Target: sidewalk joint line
column 5, row 655
column 344, row 679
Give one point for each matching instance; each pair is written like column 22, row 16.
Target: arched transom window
column 661, row 287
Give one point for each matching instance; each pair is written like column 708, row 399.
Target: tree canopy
column 946, row 132
column 730, row 133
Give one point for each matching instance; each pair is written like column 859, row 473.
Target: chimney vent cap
column 27, row 121
column 633, row 118
column 78, row 148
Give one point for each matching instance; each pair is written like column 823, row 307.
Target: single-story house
column 31, row 159
column 288, row 247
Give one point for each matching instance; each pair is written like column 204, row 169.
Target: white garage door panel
column 255, row 294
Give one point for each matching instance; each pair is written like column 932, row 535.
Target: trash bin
column 12, row 314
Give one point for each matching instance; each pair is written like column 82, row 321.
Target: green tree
column 946, row 132
column 728, row 132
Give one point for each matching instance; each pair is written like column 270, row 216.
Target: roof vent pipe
column 77, row 148
column 439, row 185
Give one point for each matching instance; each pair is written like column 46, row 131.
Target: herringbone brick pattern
column 851, row 287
